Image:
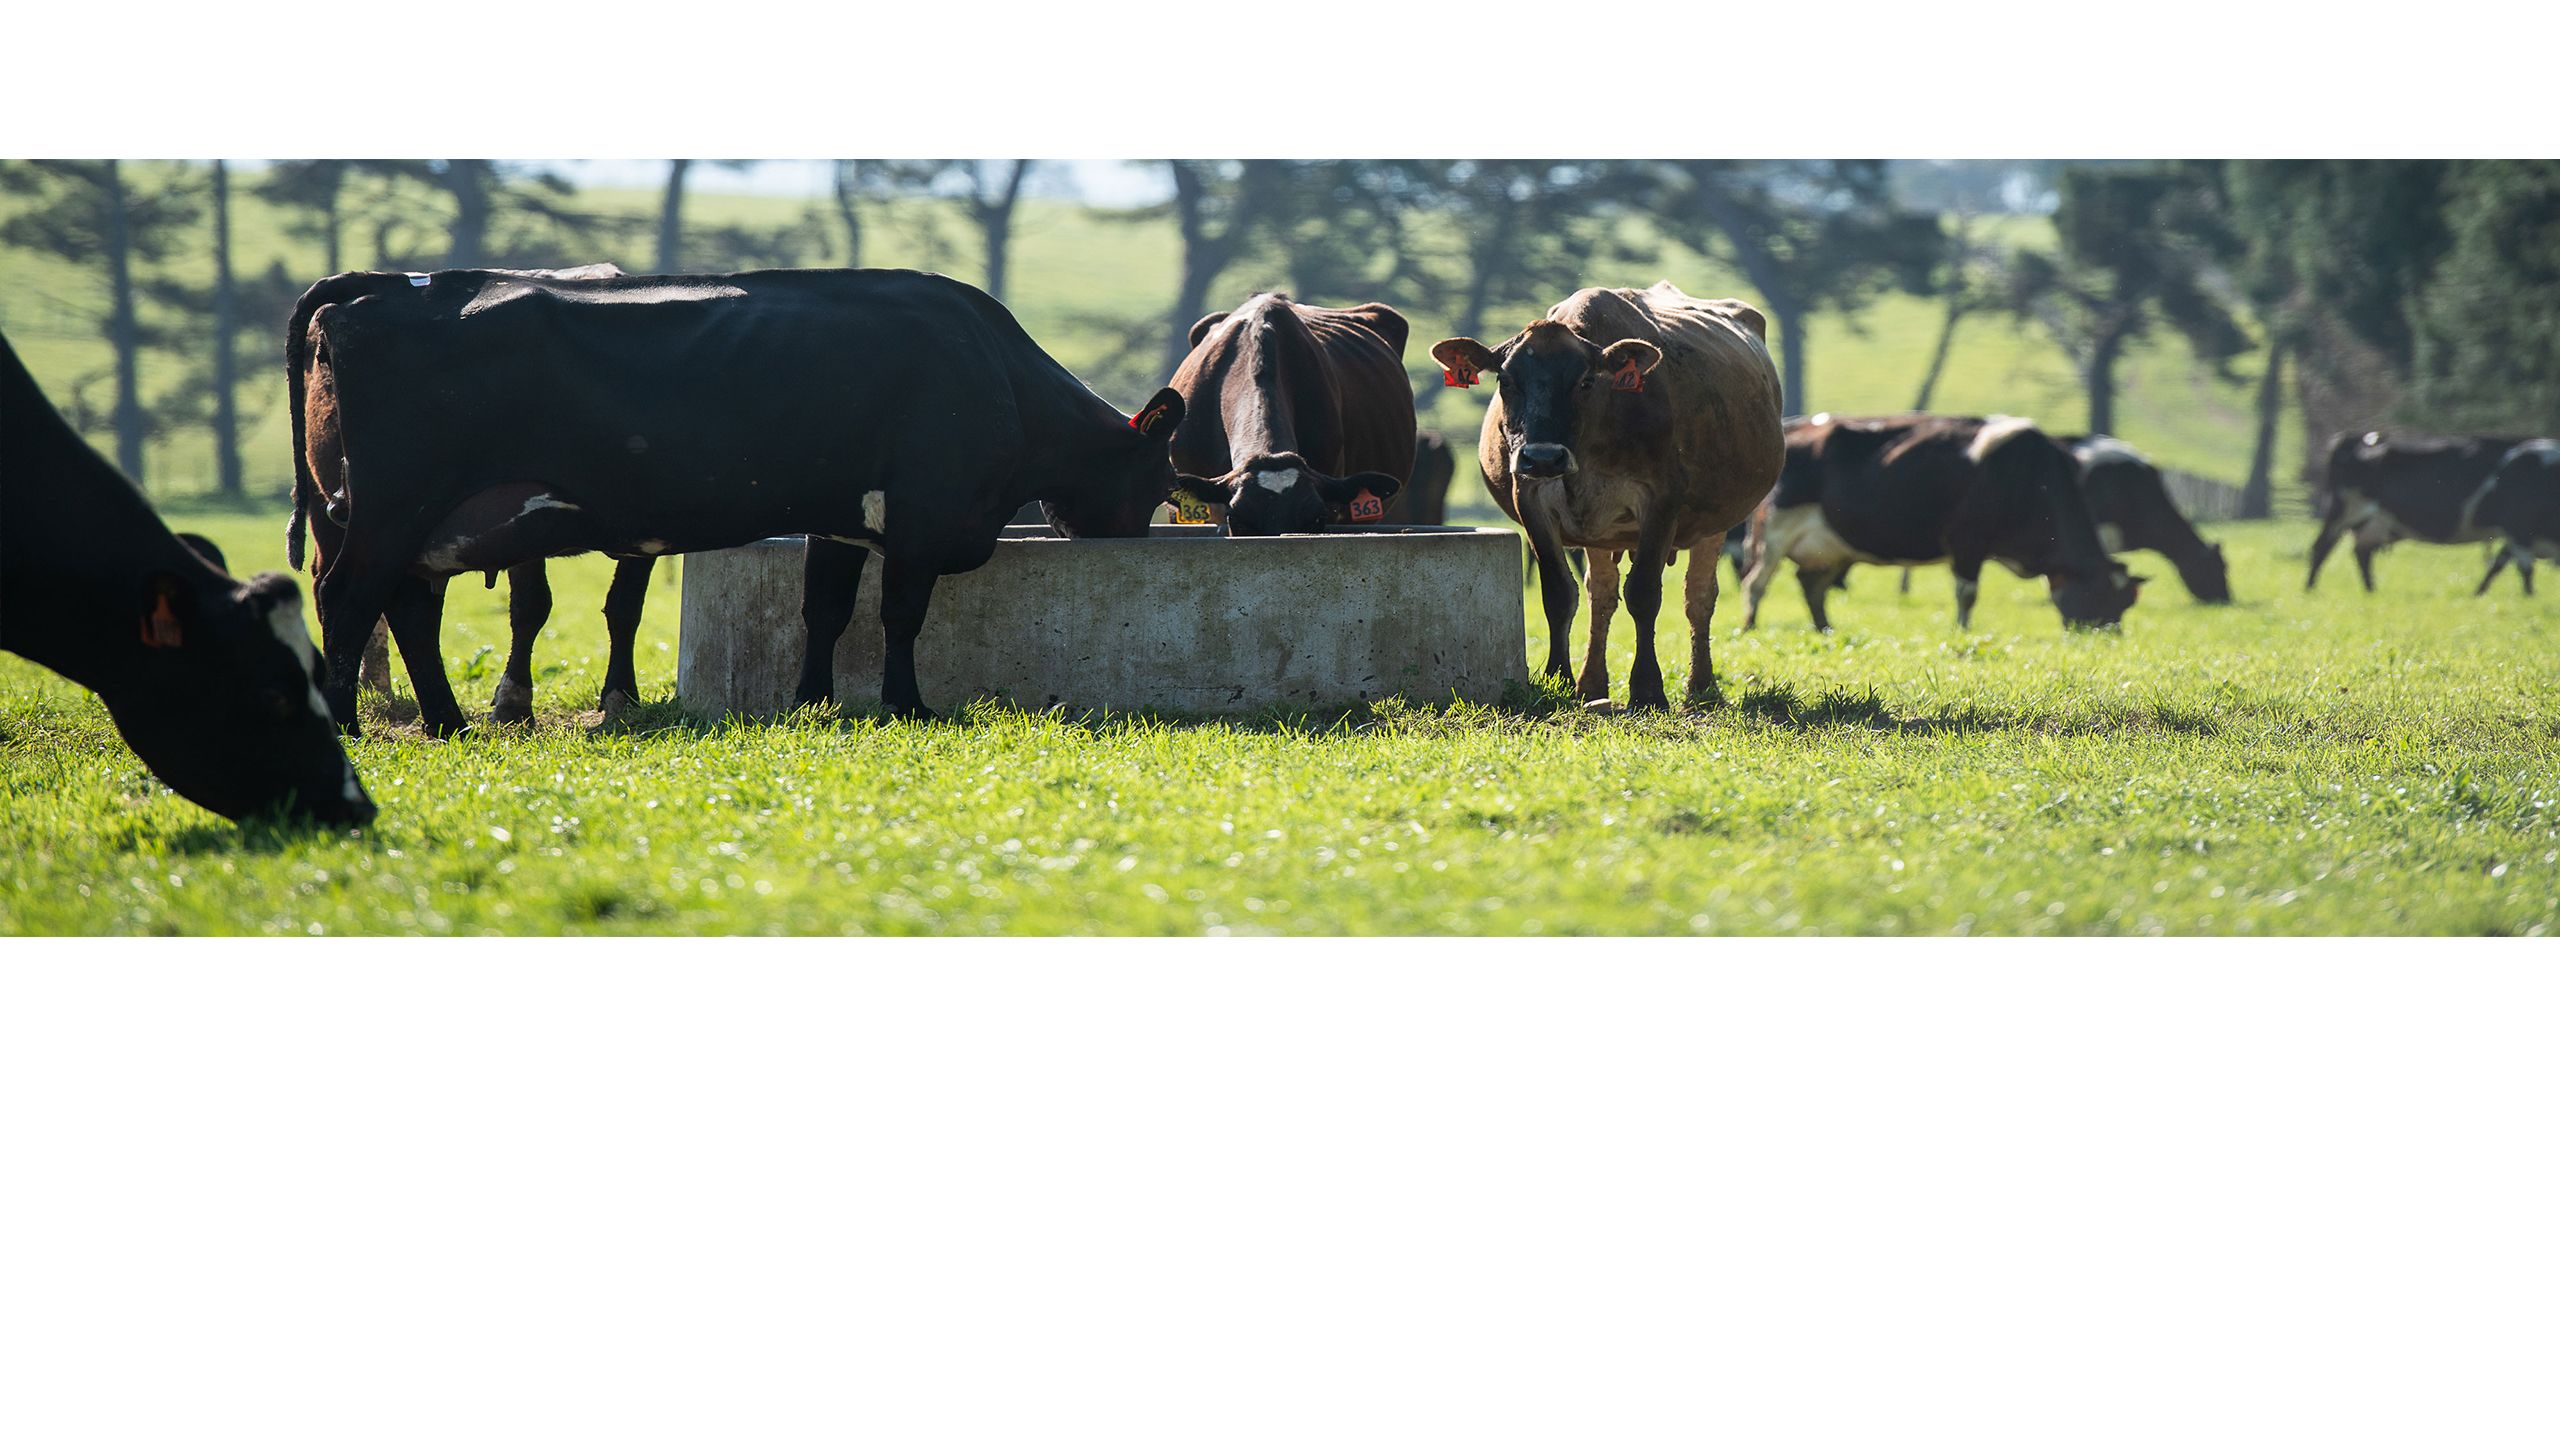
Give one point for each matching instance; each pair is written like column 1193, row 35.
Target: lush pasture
column 2327, row 763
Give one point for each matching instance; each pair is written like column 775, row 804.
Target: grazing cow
column 2521, row 503
column 2385, row 487
column 2129, row 503
column 1295, row 416
column 211, row 680
column 419, row 605
column 1628, row 420
column 489, row 419
column 1919, row 489
column 1425, row 497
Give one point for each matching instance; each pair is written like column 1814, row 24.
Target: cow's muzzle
column 1542, row 462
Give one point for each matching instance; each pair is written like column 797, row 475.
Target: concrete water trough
column 1184, row 620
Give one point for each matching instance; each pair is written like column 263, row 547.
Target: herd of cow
column 487, row 420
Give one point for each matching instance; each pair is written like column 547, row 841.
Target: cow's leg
column 1601, row 582
column 1700, row 598
column 1756, row 583
column 2364, row 564
column 2332, row 529
column 2524, row 570
column 1644, row 602
column 622, row 607
column 358, row 598
column 906, row 588
column 2497, row 562
column 1817, row 590
column 528, row 610
column 830, row 578
column 416, row 616
column 1968, row 571
column 1906, row 584
column 1556, row 594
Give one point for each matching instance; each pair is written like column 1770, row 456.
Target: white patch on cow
column 875, row 511
column 545, row 502
column 2107, row 447
column 1800, row 533
column 1278, row 482
column 1822, row 419
column 2110, row 537
column 286, row 620
column 867, row 542
column 653, row 547
column 350, row 789
column 417, row 279
column 446, row 557
column 1997, row 431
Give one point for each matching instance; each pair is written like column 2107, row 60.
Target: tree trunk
column 1786, row 326
column 226, row 325
column 2257, row 497
column 329, row 215
column 671, row 221
column 1485, row 263
column 468, row 181
column 123, row 329
column 847, row 172
column 995, row 222
column 1191, row 292
column 1938, row 358
column 2102, row 383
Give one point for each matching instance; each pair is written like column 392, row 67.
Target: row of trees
column 2419, row 292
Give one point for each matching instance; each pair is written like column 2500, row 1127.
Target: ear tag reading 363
column 1365, row 506
column 1460, row 376
column 1190, row 509
column 1628, row 377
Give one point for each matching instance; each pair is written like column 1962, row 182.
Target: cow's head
column 2208, row 576
column 2088, row 601
column 224, row 703
column 1125, row 479
column 1551, row 380
column 1284, row 495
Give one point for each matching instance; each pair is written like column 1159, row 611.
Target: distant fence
column 2201, row 497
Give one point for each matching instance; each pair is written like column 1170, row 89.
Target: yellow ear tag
column 1190, row 509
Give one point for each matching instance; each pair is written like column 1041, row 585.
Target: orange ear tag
column 1141, row 423
column 1628, row 377
column 1460, row 376
column 1365, row 506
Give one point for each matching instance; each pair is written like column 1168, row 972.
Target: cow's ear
column 1642, row 355
column 1343, row 489
column 1207, row 492
column 165, row 612
column 1464, row 358
column 1205, row 324
column 1160, row 417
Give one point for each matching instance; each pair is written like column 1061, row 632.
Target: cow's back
column 1350, row 405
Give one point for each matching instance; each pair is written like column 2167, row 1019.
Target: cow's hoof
column 443, row 729
column 512, row 705
column 1710, row 698
column 614, row 702
column 921, row 714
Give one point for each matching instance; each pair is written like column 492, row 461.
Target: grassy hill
column 1082, row 276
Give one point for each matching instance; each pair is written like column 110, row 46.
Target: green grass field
column 2294, row 764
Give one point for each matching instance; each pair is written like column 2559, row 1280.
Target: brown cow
column 1293, row 413
column 1640, row 420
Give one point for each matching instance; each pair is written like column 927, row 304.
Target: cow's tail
column 297, row 365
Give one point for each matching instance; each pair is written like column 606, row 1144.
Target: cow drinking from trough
column 2129, row 502
column 1293, row 414
column 211, row 680
column 1628, row 420
column 490, row 419
column 2383, row 487
column 320, row 505
column 1921, row 489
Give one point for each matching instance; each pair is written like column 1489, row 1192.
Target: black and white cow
column 2384, row 487
column 2129, row 502
column 2521, row 503
column 211, row 680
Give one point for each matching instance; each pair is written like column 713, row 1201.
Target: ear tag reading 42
column 1628, row 377
column 1365, row 506
column 1460, row 376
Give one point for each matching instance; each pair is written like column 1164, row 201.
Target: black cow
column 1292, row 413
column 1425, row 497
column 2521, row 503
column 485, row 419
column 2387, row 487
column 2129, row 502
column 419, row 604
column 211, row 680
column 1918, row 489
